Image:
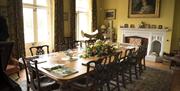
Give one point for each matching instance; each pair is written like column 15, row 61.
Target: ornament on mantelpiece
column 142, row 24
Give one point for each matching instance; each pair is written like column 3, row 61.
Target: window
column 37, row 23
column 83, row 17
column 36, row 19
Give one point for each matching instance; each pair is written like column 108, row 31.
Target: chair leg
column 118, row 85
column 170, row 65
column 173, row 63
column 18, row 75
column 130, row 75
column 123, row 80
column 101, row 88
column 136, row 71
column 28, row 89
column 144, row 64
column 140, row 68
column 108, row 87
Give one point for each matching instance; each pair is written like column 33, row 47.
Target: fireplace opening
column 155, row 48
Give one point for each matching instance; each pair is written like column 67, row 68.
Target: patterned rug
column 151, row 80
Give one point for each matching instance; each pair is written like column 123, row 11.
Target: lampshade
column 103, row 27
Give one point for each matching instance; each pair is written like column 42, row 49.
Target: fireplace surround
column 153, row 38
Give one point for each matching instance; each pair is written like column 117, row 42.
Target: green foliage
column 100, row 48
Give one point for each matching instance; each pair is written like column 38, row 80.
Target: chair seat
column 46, row 83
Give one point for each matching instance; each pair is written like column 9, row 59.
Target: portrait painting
column 110, row 14
column 144, row 8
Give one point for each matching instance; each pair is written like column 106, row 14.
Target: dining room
column 89, row 45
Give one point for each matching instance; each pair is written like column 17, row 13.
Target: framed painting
column 110, row 14
column 144, row 8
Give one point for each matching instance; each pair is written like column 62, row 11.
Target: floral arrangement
column 100, row 48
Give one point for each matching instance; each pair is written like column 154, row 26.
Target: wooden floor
column 175, row 86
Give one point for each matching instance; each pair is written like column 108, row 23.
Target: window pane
column 28, row 25
column 42, row 2
column 28, row 1
column 82, row 20
column 42, row 17
column 82, row 5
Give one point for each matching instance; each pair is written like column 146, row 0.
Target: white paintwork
column 150, row 34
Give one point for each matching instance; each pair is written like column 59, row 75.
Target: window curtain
column 59, row 25
column 94, row 15
column 15, row 27
column 72, row 19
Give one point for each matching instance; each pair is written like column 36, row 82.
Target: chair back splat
column 39, row 50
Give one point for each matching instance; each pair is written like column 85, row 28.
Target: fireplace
column 152, row 38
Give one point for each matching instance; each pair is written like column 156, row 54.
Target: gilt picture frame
column 144, row 9
column 110, row 14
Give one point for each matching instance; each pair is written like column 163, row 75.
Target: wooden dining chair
column 68, row 43
column 118, row 79
column 39, row 50
column 90, row 42
column 134, row 60
column 34, row 80
column 126, row 65
column 112, row 70
column 141, row 53
column 94, row 79
column 144, row 52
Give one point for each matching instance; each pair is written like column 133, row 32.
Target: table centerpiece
column 99, row 48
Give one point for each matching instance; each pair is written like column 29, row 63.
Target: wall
column 176, row 30
column 100, row 12
column 166, row 17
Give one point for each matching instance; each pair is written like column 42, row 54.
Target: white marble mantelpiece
column 151, row 34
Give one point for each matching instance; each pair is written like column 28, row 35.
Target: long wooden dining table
column 60, row 58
